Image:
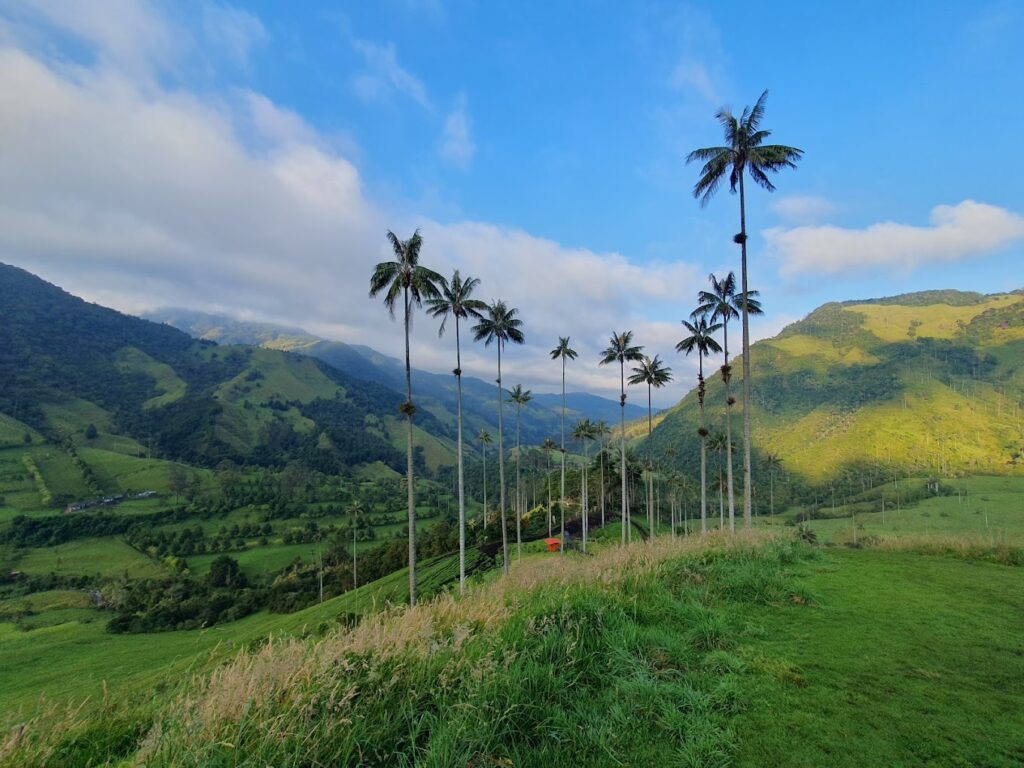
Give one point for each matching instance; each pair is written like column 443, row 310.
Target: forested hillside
column 927, row 383
column 67, row 366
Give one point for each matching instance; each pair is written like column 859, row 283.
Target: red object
column 553, row 544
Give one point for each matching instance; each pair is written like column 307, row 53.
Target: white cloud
column 384, row 75
column 233, row 30
column 802, row 209
column 138, row 196
column 457, row 146
column 956, row 232
column 694, row 75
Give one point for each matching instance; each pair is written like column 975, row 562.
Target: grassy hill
column 434, row 392
column 710, row 652
column 145, row 387
column 927, row 383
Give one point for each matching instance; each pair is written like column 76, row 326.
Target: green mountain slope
column 433, row 392
column 66, row 365
column 925, row 383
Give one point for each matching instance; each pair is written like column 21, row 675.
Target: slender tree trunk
column 501, row 473
column 561, row 498
column 408, row 457
column 771, row 491
column 703, row 454
column 462, row 481
column 650, row 467
column 547, row 481
column 747, row 479
column 603, row 492
column 583, row 497
column 519, row 490
column 626, row 533
column 728, row 432
column 355, row 577
column 483, row 448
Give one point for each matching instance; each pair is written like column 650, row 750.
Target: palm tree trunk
column 355, row 577
column 622, row 443
column 408, row 458
column 519, row 490
column 728, row 433
column 747, row 490
column 650, row 469
column 703, row 455
column 561, row 498
column 483, row 448
column 548, row 483
column 583, row 497
column 501, row 474
column 603, row 493
column 462, row 486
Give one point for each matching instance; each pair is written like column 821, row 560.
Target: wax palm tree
column 653, row 373
column 549, row 446
column 723, row 303
column 406, row 280
column 622, row 350
column 702, row 341
column 456, row 300
column 583, row 433
column 485, row 439
column 520, row 397
column 354, row 510
column 744, row 153
column 500, row 325
column 774, row 463
column 601, row 432
column 563, row 352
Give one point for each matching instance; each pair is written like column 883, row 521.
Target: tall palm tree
column 406, row 280
column 583, row 433
column 500, row 325
column 548, row 446
column 622, row 350
column 653, row 373
column 701, row 340
column 723, row 303
column 520, row 397
column 456, row 300
column 563, row 352
column 719, row 444
column 744, row 153
column 485, row 439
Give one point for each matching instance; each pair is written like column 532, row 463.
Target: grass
column 910, row 660
column 711, row 652
column 168, row 385
column 104, row 557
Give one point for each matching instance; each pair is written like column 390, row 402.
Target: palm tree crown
column 500, row 323
column 651, row 371
column 744, row 150
column 404, row 274
column 455, row 299
column 621, row 350
column 563, row 349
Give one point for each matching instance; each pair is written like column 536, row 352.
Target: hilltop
column 922, row 383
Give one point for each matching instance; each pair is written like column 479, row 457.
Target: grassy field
column 105, row 557
column 710, row 653
column 990, row 509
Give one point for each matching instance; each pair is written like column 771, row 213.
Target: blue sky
column 247, row 158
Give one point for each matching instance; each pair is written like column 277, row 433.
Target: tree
column 500, row 325
column 406, row 280
column 224, row 572
column 601, row 432
column 563, row 352
column 548, row 446
column 744, row 153
column 723, row 303
column 520, row 397
column 718, row 444
column 701, row 341
column 177, row 481
column 485, row 439
column 622, row 350
column 90, row 432
column 654, row 374
column 456, row 299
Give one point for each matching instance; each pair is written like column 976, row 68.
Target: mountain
column 923, row 383
column 432, row 391
column 66, row 364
